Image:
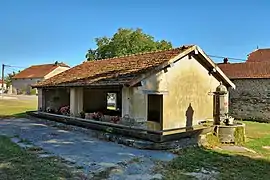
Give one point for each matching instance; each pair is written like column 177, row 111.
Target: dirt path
column 97, row 158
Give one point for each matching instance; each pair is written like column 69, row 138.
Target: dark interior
column 96, row 100
column 155, row 107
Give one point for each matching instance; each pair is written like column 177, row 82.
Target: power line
column 13, row 69
column 230, row 58
column 4, row 67
column 15, row 66
column 214, row 56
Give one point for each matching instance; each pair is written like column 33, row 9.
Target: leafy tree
column 8, row 78
column 124, row 42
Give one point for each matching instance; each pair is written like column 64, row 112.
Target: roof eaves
column 34, row 77
column 216, row 67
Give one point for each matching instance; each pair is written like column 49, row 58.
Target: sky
column 45, row 31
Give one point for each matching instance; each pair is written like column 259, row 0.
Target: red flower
column 115, row 119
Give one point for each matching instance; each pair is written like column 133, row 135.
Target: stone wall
column 20, row 85
column 251, row 99
column 56, row 98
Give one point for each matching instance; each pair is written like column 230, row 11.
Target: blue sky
column 43, row 31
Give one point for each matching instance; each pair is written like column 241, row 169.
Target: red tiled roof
column 1, row 81
column 113, row 71
column 246, row 70
column 38, row 71
column 259, row 55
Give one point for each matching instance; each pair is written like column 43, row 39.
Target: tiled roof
column 113, row 71
column 38, row 71
column 259, row 55
column 246, row 70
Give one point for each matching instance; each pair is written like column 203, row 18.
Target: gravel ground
column 97, row 158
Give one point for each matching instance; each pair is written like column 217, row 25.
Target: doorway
column 155, row 108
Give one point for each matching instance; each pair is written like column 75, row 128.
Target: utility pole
column 3, row 74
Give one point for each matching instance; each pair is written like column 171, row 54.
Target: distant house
column 166, row 89
column 21, row 82
column 251, row 98
column 5, row 85
column 259, row 55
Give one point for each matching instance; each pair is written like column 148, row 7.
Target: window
column 111, row 101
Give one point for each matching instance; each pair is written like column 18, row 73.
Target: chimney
column 225, row 61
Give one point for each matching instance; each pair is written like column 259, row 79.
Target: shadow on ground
column 97, row 157
column 17, row 115
column 79, row 147
column 201, row 163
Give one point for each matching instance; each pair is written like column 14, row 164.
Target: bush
column 33, row 91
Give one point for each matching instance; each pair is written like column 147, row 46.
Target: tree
column 124, row 42
column 8, row 78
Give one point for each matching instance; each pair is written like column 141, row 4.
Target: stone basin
column 231, row 133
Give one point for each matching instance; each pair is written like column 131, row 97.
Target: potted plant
column 64, row 110
column 97, row 116
column 115, row 119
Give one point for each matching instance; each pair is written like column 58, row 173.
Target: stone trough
column 234, row 133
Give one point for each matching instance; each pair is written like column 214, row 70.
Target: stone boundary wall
column 250, row 100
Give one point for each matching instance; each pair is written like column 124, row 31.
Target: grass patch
column 104, row 174
column 229, row 165
column 34, row 149
column 16, row 163
column 212, row 140
column 258, row 145
column 255, row 130
column 135, row 160
column 111, row 108
column 16, row 108
column 25, row 141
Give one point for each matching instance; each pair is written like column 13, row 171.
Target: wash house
column 161, row 90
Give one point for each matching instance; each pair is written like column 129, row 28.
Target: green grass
column 16, row 163
column 258, row 145
column 255, row 130
column 230, row 165
column 16, row 108
column 111, row 108
column 258, row 135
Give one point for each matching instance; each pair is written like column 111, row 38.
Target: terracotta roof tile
column 259, row 55
column 246, row 70
column 38, row 71
column 118, row 70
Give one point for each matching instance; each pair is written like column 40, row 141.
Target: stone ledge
column 128, row 141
